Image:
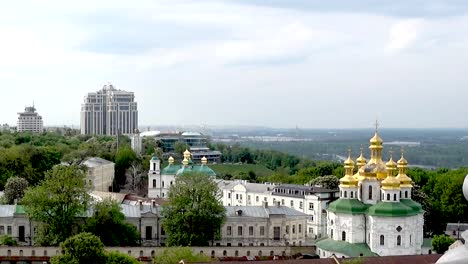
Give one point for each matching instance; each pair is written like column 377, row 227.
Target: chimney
column 265, row 204
column 140, row 202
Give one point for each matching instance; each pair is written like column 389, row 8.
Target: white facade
column 30, row 120
column 158, row 184
column 136, row 142
column 109, row 112
column 100, row 173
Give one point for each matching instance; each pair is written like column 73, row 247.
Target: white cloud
column 403, row 34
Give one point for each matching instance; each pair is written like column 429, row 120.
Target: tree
column 440, row 243
column 56, row 202
column 81, row 248
column 134, row 177
column 14, row 189
column 108, row 223
column 180, row 147
column 115, row 257
column 123, row 160
column 172, row 255
column 329, row 182
column 194, row 213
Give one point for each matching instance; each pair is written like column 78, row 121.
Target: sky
column 305, row 63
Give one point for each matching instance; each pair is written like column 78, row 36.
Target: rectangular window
column 262, row 231
column 229, row 195
column 276, row 233
column 240, row 196
column 287, row 229
column 228, row 230
column 300, row 205
column 239, row 230
column 250, row 230
column 2, row 230
column 248, row 197
column 294, row 229
column 282, row 201
column 237, row 196
column 9, row 230
column 292, row 203
column 311, row 206
column 264, row 199
column 300, row 228
column 256, row 198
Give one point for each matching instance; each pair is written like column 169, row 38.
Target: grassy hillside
column 238, row 170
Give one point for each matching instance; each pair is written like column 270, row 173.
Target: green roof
column 348, row 206
column 206, row 170
column 392, row 209
column 171, row 169
column 417, row 208
column 154, row 157
column 427, row 242
column 345, row 248
column 20, row 209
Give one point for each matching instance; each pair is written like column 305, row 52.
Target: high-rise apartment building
column 29, row 120
column 109, row 112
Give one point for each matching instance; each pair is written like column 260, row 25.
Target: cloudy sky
column 311, row 63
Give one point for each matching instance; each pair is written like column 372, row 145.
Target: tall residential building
column 109, row 112
column 29, row 120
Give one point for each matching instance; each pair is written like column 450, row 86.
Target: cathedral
column 375, row 214
column 159, row 181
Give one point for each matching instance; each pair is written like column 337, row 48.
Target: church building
column 375, row 214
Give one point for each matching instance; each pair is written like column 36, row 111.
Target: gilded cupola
column 348, row 181
column 391, row 183
column 405, row 181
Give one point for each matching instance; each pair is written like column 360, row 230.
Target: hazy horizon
column 276, row 64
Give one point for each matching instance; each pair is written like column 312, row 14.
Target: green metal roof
column 155, row 158
column 348, row 206
column 345, row 248
column 171, row 169
column 206, row 170
column 417, row 208
column 391, row 209
column 20, row 209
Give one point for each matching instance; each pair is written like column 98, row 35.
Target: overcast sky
column 310, row 63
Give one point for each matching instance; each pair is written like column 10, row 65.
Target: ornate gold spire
column 186, row 154
column 204, row 160
column 391, row 183
column 171, row 160
column 185, row 162
column 348, row 181
column 375, row 168
column 405, row 181
column 361, row 161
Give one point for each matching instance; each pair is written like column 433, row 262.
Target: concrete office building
column 29, row 120
column 109, row 112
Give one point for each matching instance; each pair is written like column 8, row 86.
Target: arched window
column 213, row 253
column 272, row 253
column 343, row 236
column 406, row 194
column 154, row 183
column 398, row 240
column 224, row 253
column 248, row 253
column 163, row 184
column 394, row 197
column 388, row 197
column 236, row 253
column 352, row 194
column 370, row 192
column 382, row 240
column 345, row 194
column 259, row 253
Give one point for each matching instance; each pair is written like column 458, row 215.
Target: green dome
column 417, row 208
column 154, row 157
column 170, row 169
column 348, row 206
column 391, row 209
column 206, row 170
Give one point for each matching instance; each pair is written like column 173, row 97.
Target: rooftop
column 345, row 248
column 96, row 162
column 261, row 211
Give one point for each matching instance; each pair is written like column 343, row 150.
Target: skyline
column 241, row 63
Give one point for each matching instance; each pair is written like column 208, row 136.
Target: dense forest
column 31, row 155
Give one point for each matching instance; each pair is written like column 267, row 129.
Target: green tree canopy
column 123, row 160
column 329, row 182
column 173, row 255
column 81, row 248
column 440, row 243
column 108, row 223
column 194, row 214
column 56, row 202
column 115, row 257
column 180, row 147
column 14, row 189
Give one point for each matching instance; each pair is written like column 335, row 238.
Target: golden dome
column 186, row 152
column 405, row 181
column 185, row 162
column 171, row 160
column 376, row 140
column 348, row 180
column 361, row 161
column 204, row 160
column 391, row 183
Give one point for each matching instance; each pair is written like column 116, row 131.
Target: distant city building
column 196, row 142
column 30, row 120
column 136, row 142
column 109, row 112
column 100, row 173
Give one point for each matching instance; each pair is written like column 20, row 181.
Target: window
column 394, row 197
column 239, row 230
column 345, row 194
column 9, row 230
column 256, row 198
column 162, row 184
column 282, row 201
column 398, row 240
column 287, row 229
column 2, row 230
column 311, row 206
column 276, row 233
column 382, row 240
column 351, row 194
column 228, row 230
column 237, row 196
column 250, row 230
column 331, row 233
column 264, row 199
column 294, row 229
column 312, row 218
column 292, row 203
column 262, row 230
column 388, row 197
column 300, row 205
column 248, row 197
column 300, row 228
column 406, row 194
column 370, row 192
column 343, row 236
column 229, row 195
column 154, row 183
column 240, row 196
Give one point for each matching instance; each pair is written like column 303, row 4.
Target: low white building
column 100, row 173
column 15, row 223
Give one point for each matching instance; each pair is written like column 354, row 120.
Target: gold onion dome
column 186, row 153
column 376, row 140
column 348, row 180
column 405, row 181
column 171, row 160
column 375, row 167
column 185, row 162
column 204, row 160
column 391, row 182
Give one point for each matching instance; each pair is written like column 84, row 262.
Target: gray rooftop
column 96, row 162
column 457, row 226
column 250, row 187
column 7, row 210
column 262, row 212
